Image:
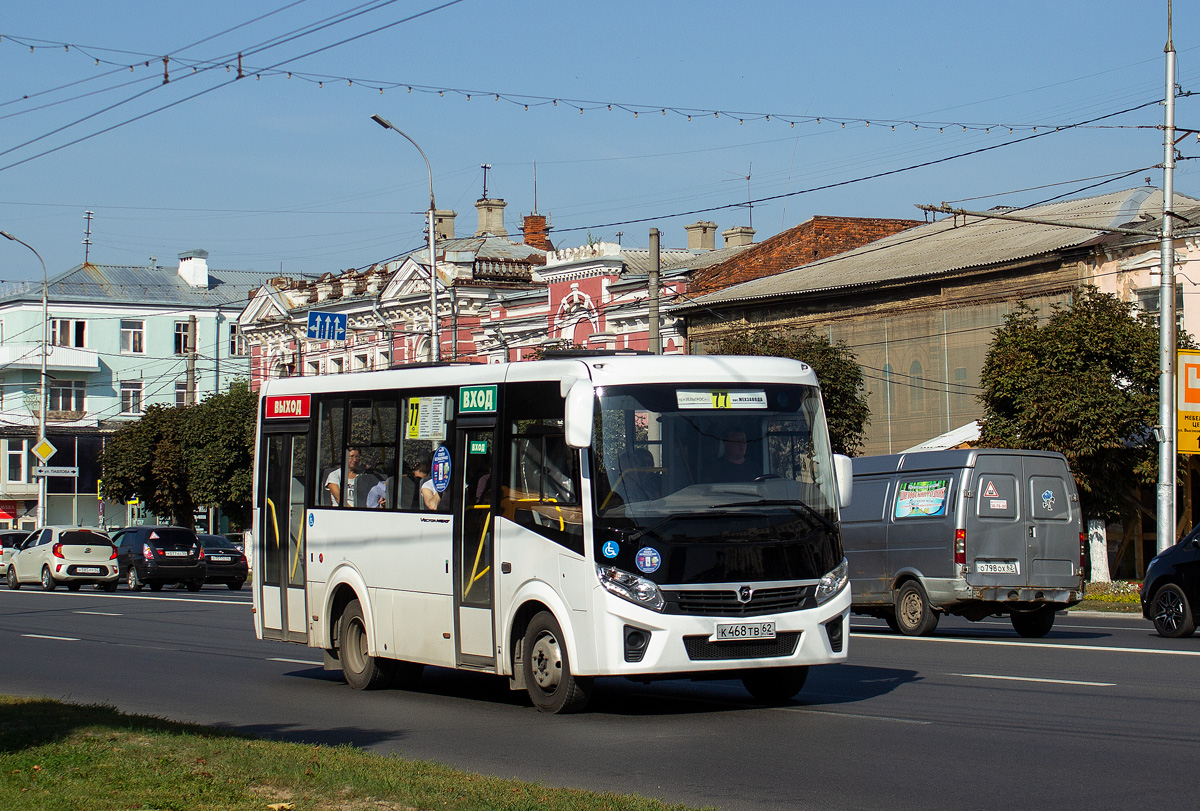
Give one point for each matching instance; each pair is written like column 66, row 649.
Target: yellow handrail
column 475, row 573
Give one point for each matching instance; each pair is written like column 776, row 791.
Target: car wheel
column 914, row 615
column 1034, row 624
column 48, row 581
column 11, row 575
column 110, row 586
column 1171, row 613
column 547, row 668
column 361, row 670
column 132, row 580
column 195, row 585
column 73, row 586
column 773, row 685
column 235, row 585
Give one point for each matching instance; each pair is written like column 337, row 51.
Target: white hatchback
column 72, row 556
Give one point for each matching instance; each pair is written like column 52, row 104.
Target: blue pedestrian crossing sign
column 326, row 326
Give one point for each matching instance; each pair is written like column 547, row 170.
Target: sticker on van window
column 922, row 499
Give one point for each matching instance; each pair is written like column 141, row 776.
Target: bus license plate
column 996, row 567
column 744, row 630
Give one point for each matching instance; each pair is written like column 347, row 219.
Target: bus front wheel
column 361, row 670
column 548, row 678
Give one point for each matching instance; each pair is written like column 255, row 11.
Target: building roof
column 956, row 244
column 126, row 284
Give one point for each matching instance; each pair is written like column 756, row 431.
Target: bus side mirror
column 843, row 471
column 580, row 411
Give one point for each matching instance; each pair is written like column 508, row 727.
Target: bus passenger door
column 474, row 485
column 279, row 539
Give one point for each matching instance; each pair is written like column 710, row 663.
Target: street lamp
column 41, row 505
column 434, row 348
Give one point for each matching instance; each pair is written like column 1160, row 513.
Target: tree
column 217, row 440
column 145, row 460
column 1083, row 383
column 837, row 370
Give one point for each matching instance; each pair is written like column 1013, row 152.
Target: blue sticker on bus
column 311, row 519
column 648, row 560
column 440, row 471
column 610, row 549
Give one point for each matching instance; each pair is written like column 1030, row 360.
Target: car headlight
column 833, row 582
column 637, row 590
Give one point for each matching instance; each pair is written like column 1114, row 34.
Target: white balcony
column 59, row 359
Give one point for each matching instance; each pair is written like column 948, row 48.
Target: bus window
column 422, row 466
column 373, row 440
column 330, row 430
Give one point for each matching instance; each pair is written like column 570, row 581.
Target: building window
column 314, row 368
column 385, row 359
column 960, row 388
column 133, row 337
column 1147, row 302
column 181, row 393
column 336, row 366
column 237, row 343
column 360, row 362
column 66, row 395
column 181, row 338
column 916, row 388
column 131, row 397
column 15, row 469
column 68, row 332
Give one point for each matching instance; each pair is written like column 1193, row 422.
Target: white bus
column 555, row 521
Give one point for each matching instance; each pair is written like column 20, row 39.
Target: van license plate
column 997, row 567
column 744, row 630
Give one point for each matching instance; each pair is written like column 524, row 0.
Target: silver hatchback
column 70, row 556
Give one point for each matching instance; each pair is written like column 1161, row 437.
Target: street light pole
column 434, row 348
column 41, row 505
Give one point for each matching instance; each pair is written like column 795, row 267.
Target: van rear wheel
column 914, row 615
column 1033, row 624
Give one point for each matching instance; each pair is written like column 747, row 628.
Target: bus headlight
column 637, row 590
column 833, row 582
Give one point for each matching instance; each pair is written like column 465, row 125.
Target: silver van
column 976, row 533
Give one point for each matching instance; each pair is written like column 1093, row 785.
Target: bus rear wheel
column 361, row 670
column 548, row 679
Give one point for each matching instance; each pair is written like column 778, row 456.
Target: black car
column 226, row 563
column 1171, row 588
column 158, row 555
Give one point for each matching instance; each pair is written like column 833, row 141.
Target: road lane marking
column 99, row 613
column 142, row 597
column 297, row 662
column 59, row 638
column 890, row 718
column 1049, row 645
column 1040, row 681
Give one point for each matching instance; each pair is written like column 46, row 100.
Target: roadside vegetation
column 93, row 758
column 1116, row 595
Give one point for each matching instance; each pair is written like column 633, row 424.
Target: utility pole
column 652, row 317
column 190, row 397
column 1165, row 523
column 87, row 236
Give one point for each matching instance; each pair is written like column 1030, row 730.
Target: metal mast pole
column 1166, row 322
column 655, row 340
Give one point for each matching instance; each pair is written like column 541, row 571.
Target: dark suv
column 156, row 556
column 1171, row 588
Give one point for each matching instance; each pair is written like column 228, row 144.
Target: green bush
column 1117, row 591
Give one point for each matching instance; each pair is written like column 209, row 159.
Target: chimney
column 536, row 230
column 491, row 218
column 443, row 224
column 738, row 235
column 702, row 236
column 193, row 268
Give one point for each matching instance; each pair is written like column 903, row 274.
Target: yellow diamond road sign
column 43, row 450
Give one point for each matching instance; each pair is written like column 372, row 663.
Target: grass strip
column 56, row 756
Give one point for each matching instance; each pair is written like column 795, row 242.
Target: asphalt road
column 1099, row 714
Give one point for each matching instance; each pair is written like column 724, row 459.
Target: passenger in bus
column 358, row 481
column 380, row 497
column 734, row 464
column 640, row 479
column 430, row 498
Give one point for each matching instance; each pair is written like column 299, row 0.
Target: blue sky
column 274, row 173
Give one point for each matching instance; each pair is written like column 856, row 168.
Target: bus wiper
column 798, row 507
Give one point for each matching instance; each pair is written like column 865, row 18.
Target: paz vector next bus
column 555, row 521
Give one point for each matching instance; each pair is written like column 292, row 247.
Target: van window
column 1049, row 501
column 869, row 502
column 925, row 498
column 997, row 496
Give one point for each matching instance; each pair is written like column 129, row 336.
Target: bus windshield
column 673, row 449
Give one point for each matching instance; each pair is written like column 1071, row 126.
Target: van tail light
column 960, row 546
column 1082, row 550
column 57, row 550
column 147, row 551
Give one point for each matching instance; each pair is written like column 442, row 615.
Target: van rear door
column 996, row 547
column 1052, row 524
